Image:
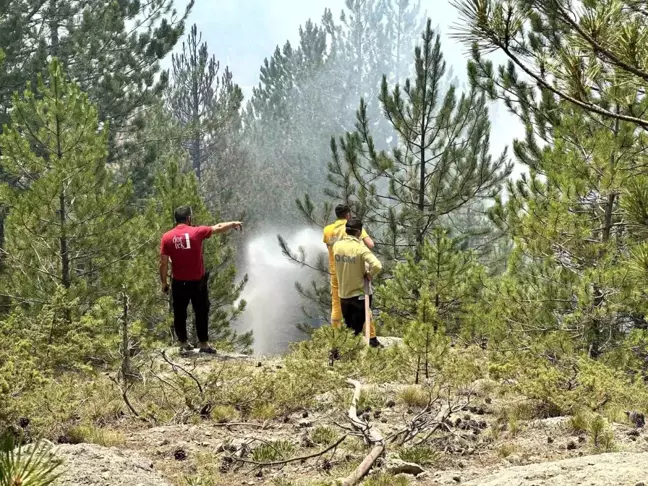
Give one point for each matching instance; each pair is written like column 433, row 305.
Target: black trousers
column 197, row 293
column 353, row 312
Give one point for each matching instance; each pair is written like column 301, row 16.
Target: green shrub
column 223, row 413
column 579, row 422
column 273, row 451
column 601, row 435
column 263, row 411
column 370, row 398
column 506, row 450
column 421, row 455
column 324, row 435
column 566, row 383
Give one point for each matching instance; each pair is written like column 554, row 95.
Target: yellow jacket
column 352, row 258
column 333, row 233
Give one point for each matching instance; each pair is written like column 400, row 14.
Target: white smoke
column 274, row 307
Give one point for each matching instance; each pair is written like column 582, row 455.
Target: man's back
column 351, row 258
column 183, row 245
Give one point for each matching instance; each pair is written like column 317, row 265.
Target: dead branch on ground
column 124, row 393
column 371, row 435
column 429, row 420
column 241, row 424
column 175, row 367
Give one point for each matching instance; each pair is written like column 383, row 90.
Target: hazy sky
column 241, row 33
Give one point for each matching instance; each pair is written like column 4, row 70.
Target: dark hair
column 354, row 227
column 182, row 214
column 341, row 210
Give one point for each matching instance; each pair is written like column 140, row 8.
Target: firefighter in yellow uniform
column 354, row 263
column 333, row 233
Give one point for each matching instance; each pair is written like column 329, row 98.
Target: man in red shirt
column 183, row 246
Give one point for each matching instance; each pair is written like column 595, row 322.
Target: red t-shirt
column 183, row 245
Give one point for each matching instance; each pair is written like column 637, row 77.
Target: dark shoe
column 208, row 350
column 185, row 347
column 374, row 343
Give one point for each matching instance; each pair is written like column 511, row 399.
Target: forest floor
column 482, row 438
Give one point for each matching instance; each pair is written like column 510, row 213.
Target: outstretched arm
column 225, row 227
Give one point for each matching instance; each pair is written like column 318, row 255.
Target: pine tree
column 371, row 39
column 441, row 289
column 111, row 49
column 313, row 88
column 207, row 107
column 4, row 302
column 424, row 349
column 573, row 78
column 404, row 22
column 284, row 120
column 361, row 62
column 67, row 228
column 441, row 164
column 572, row 233
column 473, row 230
column 160, row 137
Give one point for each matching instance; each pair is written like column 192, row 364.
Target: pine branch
column 597, row 47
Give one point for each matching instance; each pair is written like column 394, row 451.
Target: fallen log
column 370, row 434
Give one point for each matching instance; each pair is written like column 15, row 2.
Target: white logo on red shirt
column 182, row 242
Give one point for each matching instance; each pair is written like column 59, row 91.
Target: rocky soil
column 618, row 469
column 92, row 465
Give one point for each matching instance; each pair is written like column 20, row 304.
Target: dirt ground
column 472, row 447
column 489, row 435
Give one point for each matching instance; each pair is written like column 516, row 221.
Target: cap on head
column 182, row 214
column 342, row 210
column 354, row 227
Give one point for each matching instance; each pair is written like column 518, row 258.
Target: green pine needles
column 32, row 465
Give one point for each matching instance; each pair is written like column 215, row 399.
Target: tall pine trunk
column 437, row 297
column 599, row 298
column 4, row 299
column 53, row 25
column 196, row 123
column 420, row 237
column 125, row 366
column 66, row 279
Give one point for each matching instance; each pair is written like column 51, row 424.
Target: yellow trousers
column 336, row 308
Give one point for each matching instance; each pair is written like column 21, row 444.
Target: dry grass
column 414, row 396
column 94, row 435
